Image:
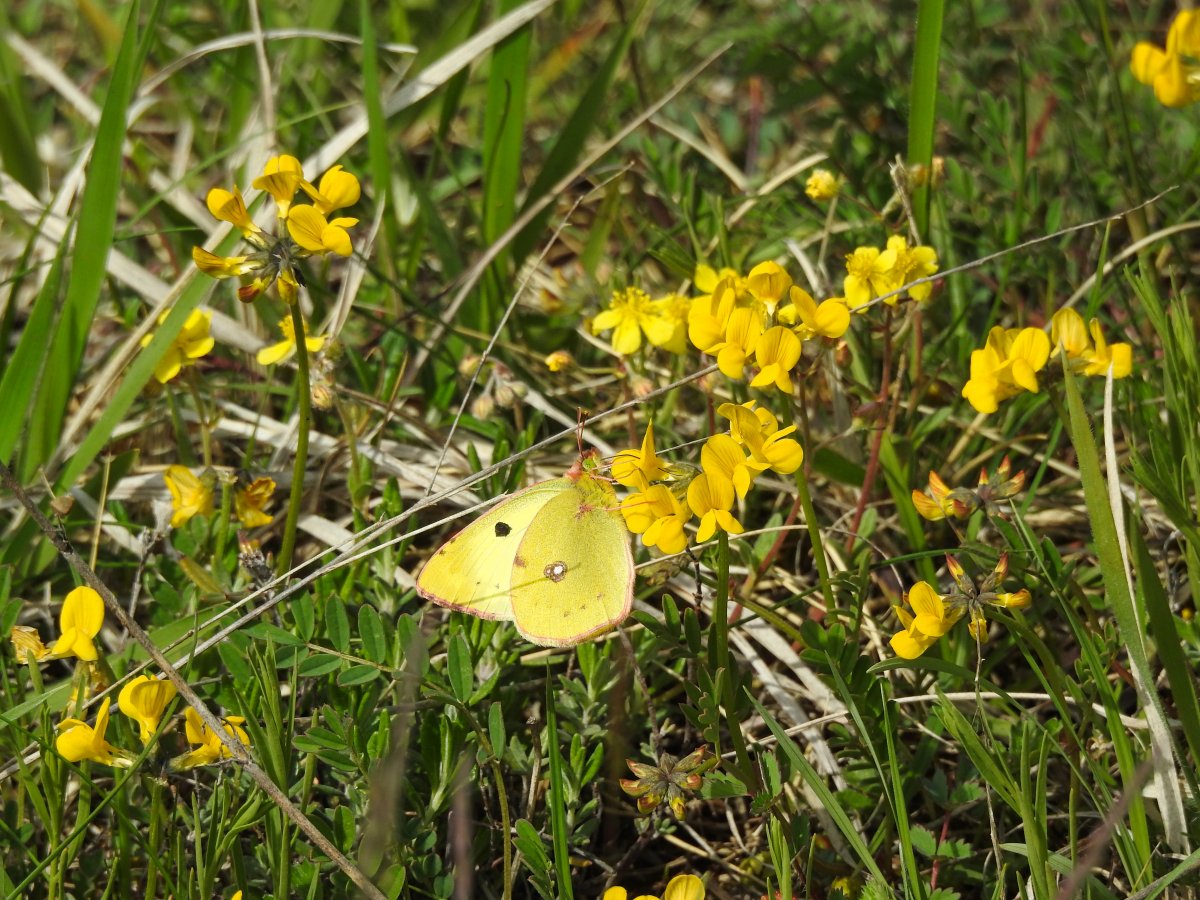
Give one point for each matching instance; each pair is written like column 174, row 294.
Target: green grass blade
column 18, row 148
column 565, row 152
column 24, row 369
column 558, row 797
column 923, row 101
column 828, row 800
column 94, row 231
column 1116, row 587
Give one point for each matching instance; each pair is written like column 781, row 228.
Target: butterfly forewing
column 473, row 570
column 573, row 573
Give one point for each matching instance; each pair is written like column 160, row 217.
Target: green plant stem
column 222, row 529
column 923, row 103
column 720, row 661
column 201, row 416
column 304, row 402
column 814, row 537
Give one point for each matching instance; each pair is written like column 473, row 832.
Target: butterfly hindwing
column 573, row 572
column 472, row 571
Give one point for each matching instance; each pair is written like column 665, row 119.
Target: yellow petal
column 306, row 226
column 274, row 353
column 684, row 887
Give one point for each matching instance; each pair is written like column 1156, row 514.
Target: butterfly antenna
column 581, row 417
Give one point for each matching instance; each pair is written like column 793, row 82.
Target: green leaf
column 337, row 623
column 356, row 675
column 460, row 668
column 372, row 634
column 536, row 860
column 320, row 664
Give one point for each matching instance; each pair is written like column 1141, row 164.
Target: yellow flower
column 671, row 335
column 1006, row 365
column 630, row 313
column 79, row 622
column 909, row 264
column 219, row 266
column 831, row 319
column 280, row 178
column 27, row 644
column 230, row 207
column 1173, row 73
column 275, row 353
column 940, row 502
column 710, row 497
column 868, row 274
column 192, row 342
column 706, row 279
column 248, row 502
column 658, row 516
column 723, row 460
column 144, row 699
column 741, row 337
column 190, row 496
column 559, row 361
column 776, row 353
column 312, row 231
column 638, row 469
column 932, row 620
column 822, row 185
column 708, row 317
column 681, row 887
column 337, row 190
column 759, row 432
column 208, row 747
column 768, row 283
column 1091, row 356
column 78, row 741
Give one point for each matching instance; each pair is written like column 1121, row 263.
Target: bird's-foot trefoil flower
column 681, row 887
column 1174, row 70
column 829, row 319
column 208, row 745
column 190, row 495
column 989, row 495
column 658, row 515
column 768, row 284
column 286, row 348
column 638, row 469
column 145, row 699
column 302, row 230
column 711, row 497
column 77, row 741
column 757, row 430
column 670, row 781
column 192, row 342
column 79, row 622
column 776, row 353
column 250, row 500
column 1005, row 366
column 1087, row 352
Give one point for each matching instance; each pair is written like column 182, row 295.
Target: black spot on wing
column 503, row 529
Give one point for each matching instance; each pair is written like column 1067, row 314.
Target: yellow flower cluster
column 665, row 498
column 1173, row 71
column 305, row 229
column 760, row 320
column 933, row 614
column 143, row 699
column 681, row 887
column 192, row 495
column 872, row 273
column 1011, row 359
